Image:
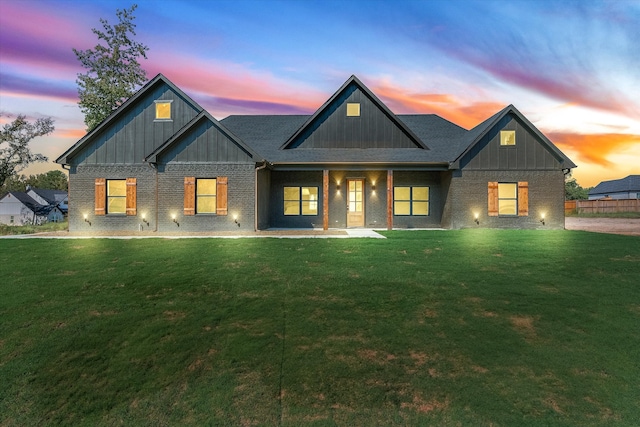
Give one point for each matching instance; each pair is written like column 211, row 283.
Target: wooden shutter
column 100, row 196
column 523, row 199
column 131, row 197
column 493, row 199
column 189, row 195
column 221, row 195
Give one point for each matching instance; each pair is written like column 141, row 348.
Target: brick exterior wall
column 468, row 194
column 82, row 198
column 170, row 190
column 240, row 198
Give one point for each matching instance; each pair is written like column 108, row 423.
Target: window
column 301, row 200
column 353, row 109
column 508, row 198
column 507, row 137
column 163, row 110
column 11, row 220
column 116, row 196
column 206, row 196
column 411, row 201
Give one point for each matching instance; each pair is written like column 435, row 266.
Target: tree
column 573, row 190
column 15, row 154
column 114, row 72
column 52, row 180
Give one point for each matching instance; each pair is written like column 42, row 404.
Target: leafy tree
column 15, row 154
column 573, row 190
column 52, row 180
column 114, row 72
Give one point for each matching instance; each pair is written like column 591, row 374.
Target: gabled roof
column 64, row 158
column 353, row 80
column 51, row 196
column 203, row 115
column 25, row 199
column 475, row 135
column 629, row 184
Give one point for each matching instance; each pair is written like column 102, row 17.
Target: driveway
column 626, row 226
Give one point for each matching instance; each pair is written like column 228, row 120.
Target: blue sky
column 572, row 67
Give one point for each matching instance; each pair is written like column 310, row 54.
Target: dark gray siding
column 468, row 194
column 529, row 153
column 431, row 180
column 82, row 198
column 136, row 133
column 240, row 197
column 205, row 143
column 372, row 129
column 375, row 210
column 281, row 179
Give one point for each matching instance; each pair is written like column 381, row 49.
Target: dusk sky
column 571, row 67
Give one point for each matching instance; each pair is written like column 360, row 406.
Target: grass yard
column 470, row 327
column 6, row 230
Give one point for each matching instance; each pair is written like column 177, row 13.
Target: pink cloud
column 594, row 148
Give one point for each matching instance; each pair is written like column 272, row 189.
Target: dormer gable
column 508, row 140
column 353, row 118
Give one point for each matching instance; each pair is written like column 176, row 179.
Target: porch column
column 325, row 199
column 389, row 199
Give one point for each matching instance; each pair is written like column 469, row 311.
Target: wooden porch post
column 325, row 199
column 389, row 199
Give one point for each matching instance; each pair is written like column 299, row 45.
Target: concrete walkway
column 277, row 233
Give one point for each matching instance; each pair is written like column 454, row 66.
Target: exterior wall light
column 235, row 219
column 373, row 187
column 86, row 219
column 477, row 221
column 173, row 217
column 144, row 219
column 542, row 219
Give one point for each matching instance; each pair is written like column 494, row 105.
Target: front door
column 355, row 202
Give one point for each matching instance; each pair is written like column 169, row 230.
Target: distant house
column 58, row 198
column 19, row 208
column 625, row 188
column 161, row 162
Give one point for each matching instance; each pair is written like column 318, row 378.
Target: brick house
column 161, row 162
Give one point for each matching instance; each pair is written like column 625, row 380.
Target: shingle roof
column 26, row 200
column 267, row 133
column 629, row 184
column 51, row 196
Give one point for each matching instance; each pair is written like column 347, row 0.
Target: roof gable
column 113, row 140
column 374, row 127
column 203, row 139
column 479, row 135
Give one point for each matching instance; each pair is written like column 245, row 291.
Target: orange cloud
column 464, row 114
column 594, row 148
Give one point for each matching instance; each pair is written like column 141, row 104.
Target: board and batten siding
column 136, row 133
column 529, row 153
column 205, row 143
column 372, row 129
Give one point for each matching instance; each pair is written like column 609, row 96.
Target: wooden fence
column 603, row 206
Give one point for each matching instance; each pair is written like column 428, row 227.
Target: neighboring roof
column 29, row 202
column 153, row 157
column 624, row 185
column 475, row 135
column 64, row 158
column 51, row 196
column 353, row 81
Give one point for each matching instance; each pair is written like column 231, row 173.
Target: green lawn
column 470, row 327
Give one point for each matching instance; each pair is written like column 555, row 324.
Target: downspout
column 255, row 195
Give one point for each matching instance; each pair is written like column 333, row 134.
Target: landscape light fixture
column 173, row 217
column 86, row 219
